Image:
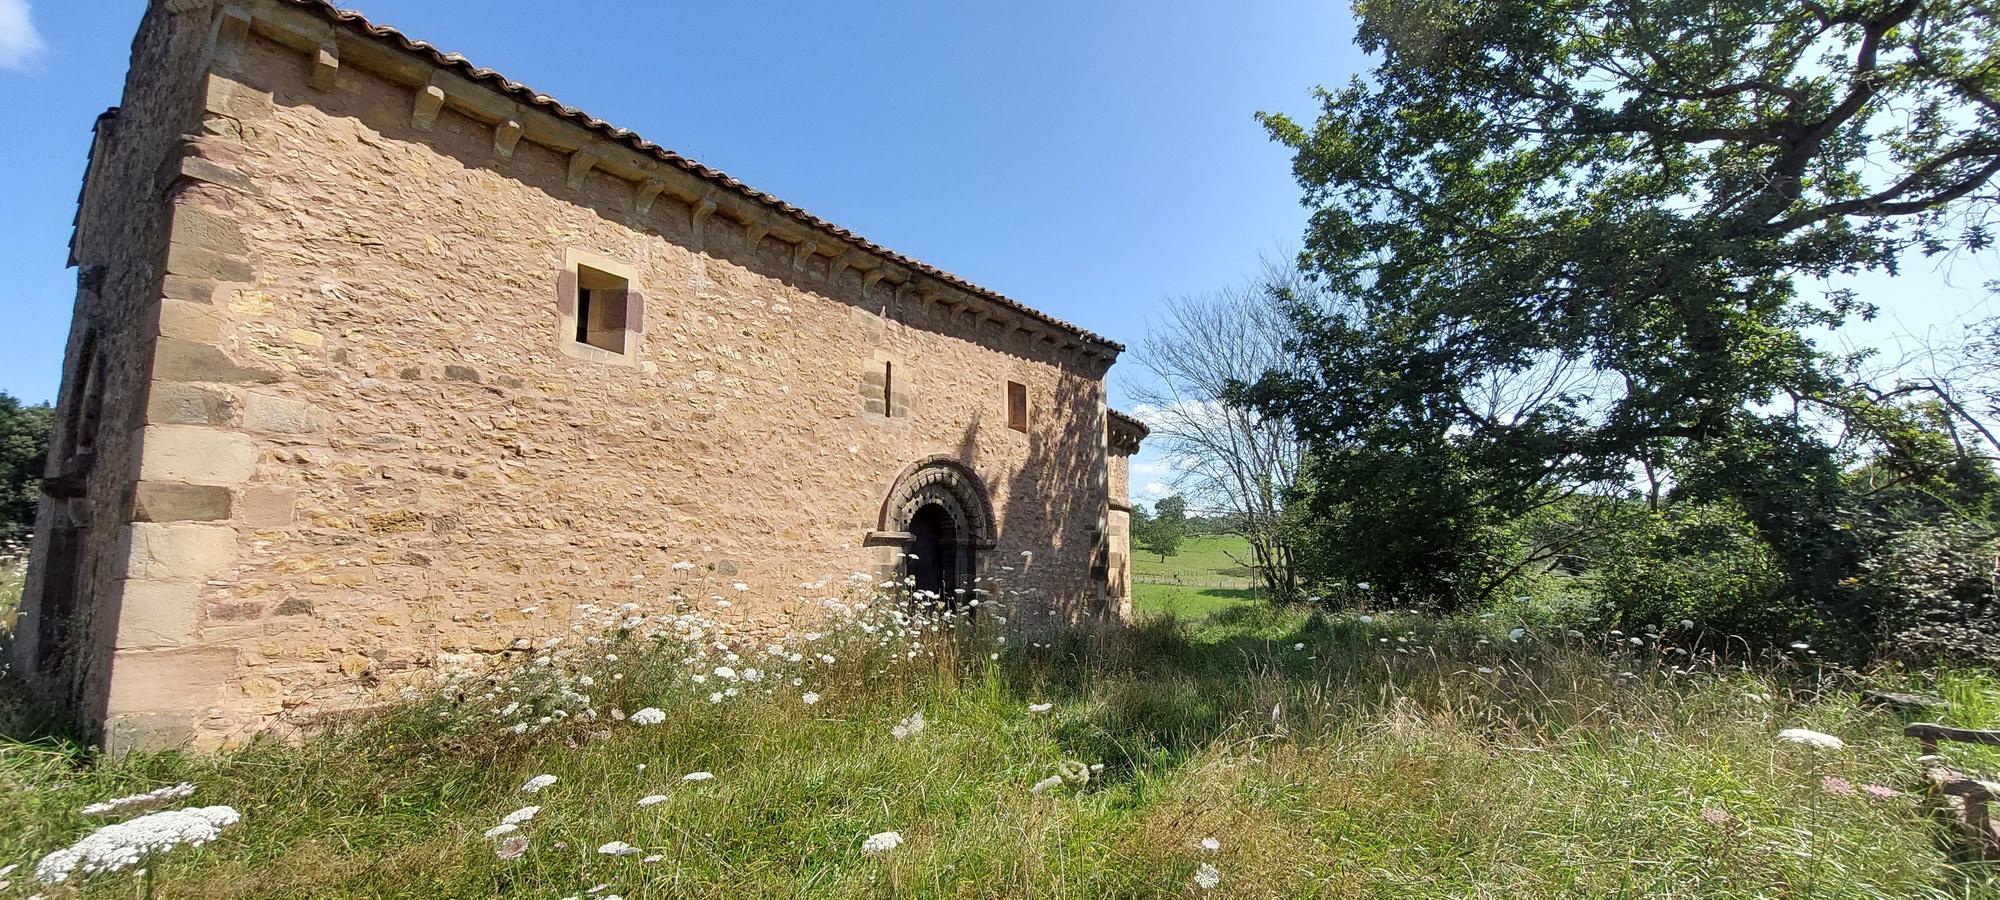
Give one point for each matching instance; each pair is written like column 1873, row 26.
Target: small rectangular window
column 603, row 302
column 888, row 388
column 1017, row 406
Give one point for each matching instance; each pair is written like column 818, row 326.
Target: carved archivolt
column 948, row 483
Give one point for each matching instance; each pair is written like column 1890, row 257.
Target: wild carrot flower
column 537, row 783
column 881, row 842
column 1717, row 816
column 511, row 848
column 1881, row 792
column 1050, row 782
column 1836, row 785
column 648, row 716
column 698, row 776
column 124, row 844
column 1810, row 738
column 618, row 848
column 1211, row 844
column 500, row 829
column 521, row 815
column 1207, row 877
column 653, row 800
column 137, row 801
column 911, row 724
column 809, row 698
column 1040, row 707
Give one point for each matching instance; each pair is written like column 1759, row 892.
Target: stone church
column 379, row 357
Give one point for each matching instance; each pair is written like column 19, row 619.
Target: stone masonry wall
column 372, row 445
column 69, row 625
column 1118, row 531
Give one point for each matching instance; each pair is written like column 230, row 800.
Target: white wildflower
column 882, row 842
column 618, row 848
column 1040, row 707
column 535, row 784
column 501, row 829
column 1046, row 783
column 809, row 698
column 149, row 798
column 909, row 726
column 653, row 800
column 1211, row 844
column 124, row 844
column 740, row 586
column 1517, row 634
column 697, row 776
column 511, row 848
column 1810, row 738
column 649, row 716
column 521, row 815
column 1207, row 877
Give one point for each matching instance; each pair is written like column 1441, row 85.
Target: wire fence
column 1197, row 581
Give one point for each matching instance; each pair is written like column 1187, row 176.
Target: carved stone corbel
column 580, row 164
column 804, row 252
column 429, row 102
column 698, row 219
column 649, row 191
column 325, row 65
column 506, row 135
column 754, row 231
column 232, row 31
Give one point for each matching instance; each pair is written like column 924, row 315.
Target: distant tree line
column 24, row 444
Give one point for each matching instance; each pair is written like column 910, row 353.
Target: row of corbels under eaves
column 327, row 50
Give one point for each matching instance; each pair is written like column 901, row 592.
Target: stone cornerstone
column 380, row 359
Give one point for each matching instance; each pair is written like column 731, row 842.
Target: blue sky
column 1089, row 158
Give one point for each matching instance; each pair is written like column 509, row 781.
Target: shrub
column 1935, row 586
column 1699, row 561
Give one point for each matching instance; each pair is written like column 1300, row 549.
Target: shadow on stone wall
column 1063, row 483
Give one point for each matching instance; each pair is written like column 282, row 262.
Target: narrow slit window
column 603, row 309
column 1017, row 406
column 888, row 389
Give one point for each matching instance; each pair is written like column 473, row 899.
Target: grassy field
column 1325, row 757
column 1215, row 561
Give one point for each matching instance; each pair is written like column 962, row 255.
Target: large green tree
column 24, row 444
column 1572, row 242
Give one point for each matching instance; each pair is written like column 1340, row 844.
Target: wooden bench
column 1965, row 799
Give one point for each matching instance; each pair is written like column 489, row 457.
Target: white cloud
column 19, row 41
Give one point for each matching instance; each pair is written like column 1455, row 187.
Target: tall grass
column 1392, row 757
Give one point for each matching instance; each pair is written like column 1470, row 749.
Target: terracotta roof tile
column 359, row 24
column 1129, row 422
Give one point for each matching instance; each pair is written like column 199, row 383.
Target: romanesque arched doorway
column 931, row 559
column 937, row 516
